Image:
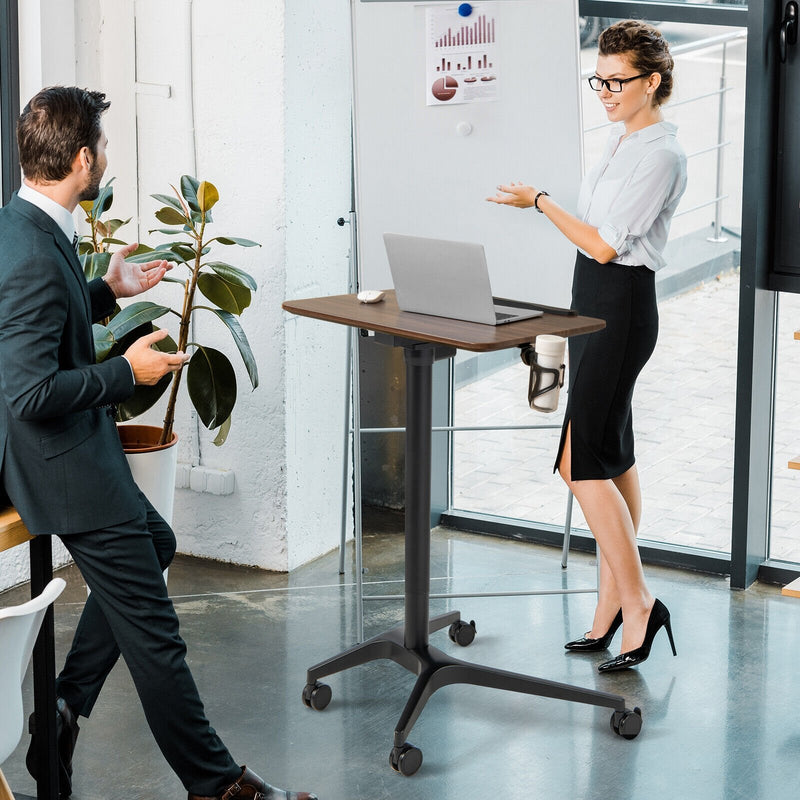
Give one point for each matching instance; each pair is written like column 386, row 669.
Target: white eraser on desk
column 370, row 296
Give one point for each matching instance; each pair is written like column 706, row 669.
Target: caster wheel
column 406, row 759
column 462, row 633
column 317, row 695
column 627, row 724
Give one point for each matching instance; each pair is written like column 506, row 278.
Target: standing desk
column 426, row 339
column 12, row 533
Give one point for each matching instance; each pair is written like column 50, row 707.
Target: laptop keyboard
column 498, row 315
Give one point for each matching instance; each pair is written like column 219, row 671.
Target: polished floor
column 722, row 720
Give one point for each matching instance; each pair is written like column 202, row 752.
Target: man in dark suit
column 61, row 459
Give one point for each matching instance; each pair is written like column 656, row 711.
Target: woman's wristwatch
column 536, row 200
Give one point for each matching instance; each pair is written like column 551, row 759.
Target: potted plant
column 212, row 287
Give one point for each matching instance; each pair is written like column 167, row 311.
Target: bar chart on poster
column 480, row 31
column 462, row 47
column 452, row 99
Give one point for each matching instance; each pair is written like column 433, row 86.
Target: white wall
column 318, row 98
column 233, row 96
column 15, row 566
column 281, row 160
column 252, row 108
column 47, row 45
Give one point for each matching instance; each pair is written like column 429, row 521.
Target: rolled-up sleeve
column 653, row 187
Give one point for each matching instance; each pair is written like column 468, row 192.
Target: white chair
column 19, row 627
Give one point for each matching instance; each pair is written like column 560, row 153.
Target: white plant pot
column 153, row 466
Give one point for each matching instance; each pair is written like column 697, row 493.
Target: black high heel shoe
column 659, row 618
column 587, row 645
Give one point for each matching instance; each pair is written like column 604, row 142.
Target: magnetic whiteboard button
column 463, row 129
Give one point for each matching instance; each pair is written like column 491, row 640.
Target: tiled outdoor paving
column 683, row 421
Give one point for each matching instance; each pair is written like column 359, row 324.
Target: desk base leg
column 441, row 670
column 435, row 669
column 386, row 645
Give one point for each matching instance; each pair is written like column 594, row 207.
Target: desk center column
column 419, row 359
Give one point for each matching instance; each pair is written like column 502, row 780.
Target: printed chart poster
column 461, row 53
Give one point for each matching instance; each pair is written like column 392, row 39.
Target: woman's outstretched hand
column 514, row 194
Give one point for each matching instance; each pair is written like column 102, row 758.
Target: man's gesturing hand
column 150, row 365
column 128, row 280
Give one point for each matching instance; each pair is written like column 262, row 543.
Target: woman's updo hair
column 644, row 47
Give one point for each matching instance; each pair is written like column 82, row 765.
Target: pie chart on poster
column 444, row 88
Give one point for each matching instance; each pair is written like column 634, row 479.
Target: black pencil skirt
column 603, row 366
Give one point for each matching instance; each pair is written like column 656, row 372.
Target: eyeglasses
column 613, row 84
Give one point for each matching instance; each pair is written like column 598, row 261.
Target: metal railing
column 721, row 144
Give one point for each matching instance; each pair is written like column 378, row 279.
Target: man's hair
column 644, row 47
column 53, row 128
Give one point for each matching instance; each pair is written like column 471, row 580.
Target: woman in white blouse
column 625, row 207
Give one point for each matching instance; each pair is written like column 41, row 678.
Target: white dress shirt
column 631, row 195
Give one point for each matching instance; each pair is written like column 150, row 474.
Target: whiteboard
column 417, row 174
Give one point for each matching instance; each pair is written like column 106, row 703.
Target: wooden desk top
column 386, row 317
column 12, row 530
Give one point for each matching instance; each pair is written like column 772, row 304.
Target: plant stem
column 183, row 335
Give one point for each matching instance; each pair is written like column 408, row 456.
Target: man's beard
column 92, row 188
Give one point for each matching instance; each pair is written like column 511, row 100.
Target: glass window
column 684, row 405
column 784, row 543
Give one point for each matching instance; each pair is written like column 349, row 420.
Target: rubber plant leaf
column 142, row 399
column 95, row 265
column 134, row 315
column 212, row 386
column 103, row 200
column 207, row 196
column 170, row 216
column 145, row 397
column 237, row 240
column 228, row 296
column 103, row 341
column 222, row 433
column 232, row 274
column 189, row 186
column 168, row 231
column 167, row 200
column 164, row 254
column 234, row 326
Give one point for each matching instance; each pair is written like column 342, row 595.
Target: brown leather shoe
column 251, row 787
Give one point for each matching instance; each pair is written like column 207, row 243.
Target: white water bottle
column 544, row 387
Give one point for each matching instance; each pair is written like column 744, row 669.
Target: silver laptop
column 447, row 279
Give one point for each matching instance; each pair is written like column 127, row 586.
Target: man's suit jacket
column 61, row 460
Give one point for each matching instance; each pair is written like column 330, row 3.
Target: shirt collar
column 654, row 131
column 56, row 212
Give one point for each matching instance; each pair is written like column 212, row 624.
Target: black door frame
column 758, row 306
column 9, row 98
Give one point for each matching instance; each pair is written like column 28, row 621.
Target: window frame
column 715, row 14
column 10, row 178
column 758, row 303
